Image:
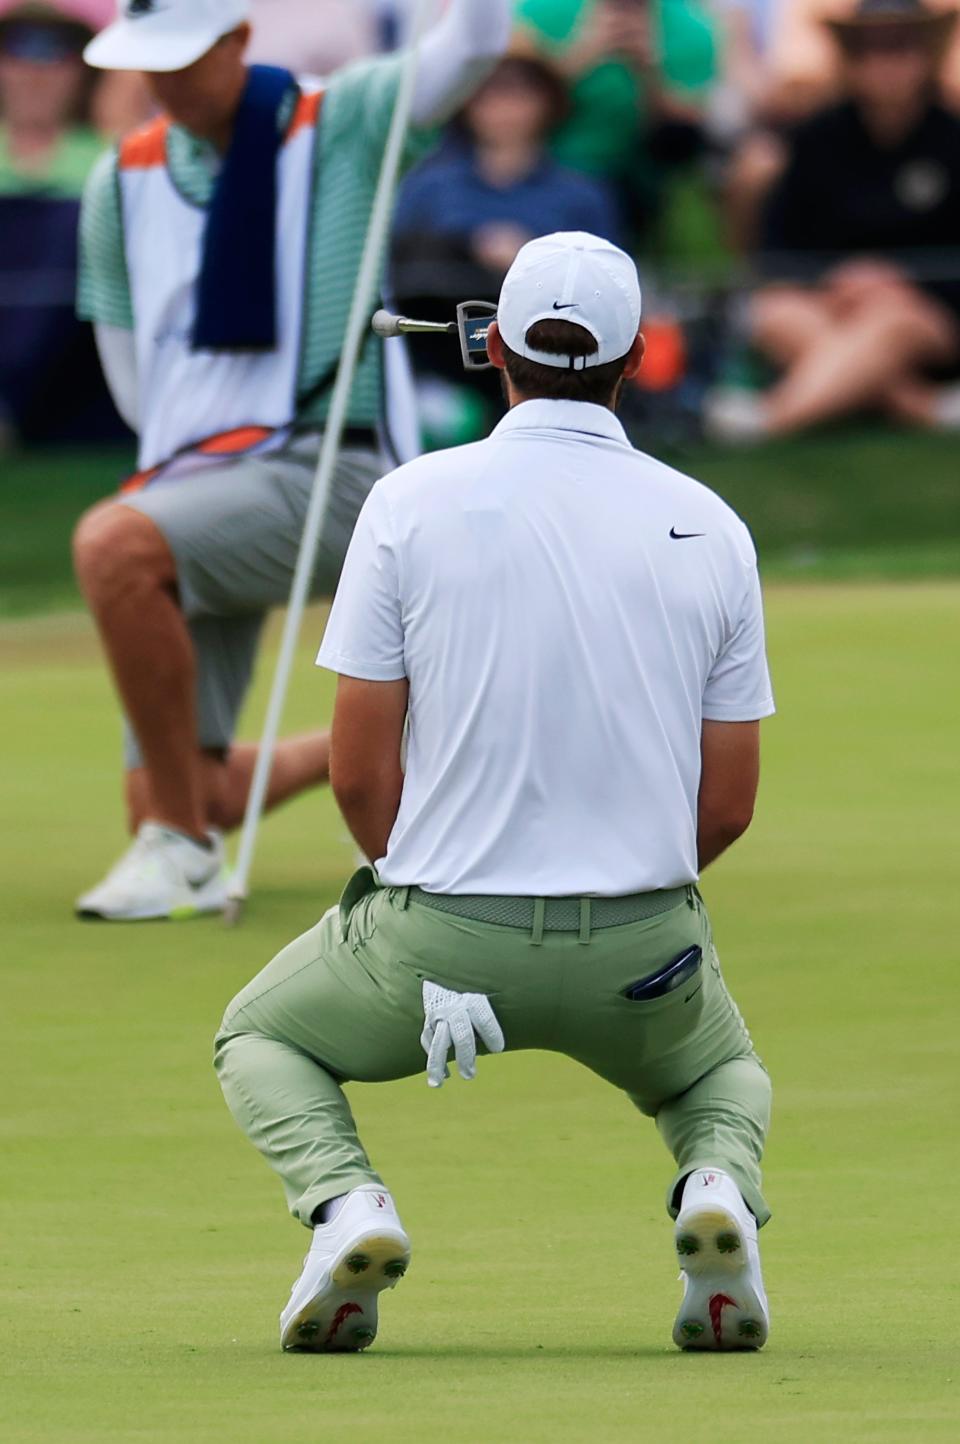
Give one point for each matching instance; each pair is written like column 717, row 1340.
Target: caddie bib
column 190, row 397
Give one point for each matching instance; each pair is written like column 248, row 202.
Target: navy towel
column 236, row 292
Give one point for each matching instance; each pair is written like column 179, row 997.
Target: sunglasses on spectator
column 891, row 40
column 39, row 44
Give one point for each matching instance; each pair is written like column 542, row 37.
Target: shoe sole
column 721, row 1310
column 174, row 915
column 203, row 907
column 342, row 1316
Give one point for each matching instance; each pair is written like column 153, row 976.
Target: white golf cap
column 164, row 35
column 572, row 276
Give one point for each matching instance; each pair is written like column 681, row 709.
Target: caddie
column 573, row 634
column 219, row 252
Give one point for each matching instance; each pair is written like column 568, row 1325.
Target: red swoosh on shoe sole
column 340, row 1318
column 718, row 1302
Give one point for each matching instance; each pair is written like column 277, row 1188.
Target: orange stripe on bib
column 232, row 442
column 139, row 480
column 146, row 148
column 228, row 443
column 307, row 113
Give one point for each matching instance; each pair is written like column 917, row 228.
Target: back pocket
column 682, row 972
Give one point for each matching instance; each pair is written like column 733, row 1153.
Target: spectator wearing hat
column 782, row 65
column 49, row 384
column 47, row 145
column 862, row 242
column 803, row 70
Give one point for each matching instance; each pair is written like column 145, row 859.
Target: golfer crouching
column 574, row 634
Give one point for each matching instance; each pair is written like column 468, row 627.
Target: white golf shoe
column 163, row 874
column 724, row 1302
column 364, row 1250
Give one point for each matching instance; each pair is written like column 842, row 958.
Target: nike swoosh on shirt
column 685, row 535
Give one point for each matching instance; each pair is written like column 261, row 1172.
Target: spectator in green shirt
column 46, row 146
column 639, row 71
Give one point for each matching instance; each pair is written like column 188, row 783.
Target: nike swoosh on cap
column 685, row 535
column 570, row 306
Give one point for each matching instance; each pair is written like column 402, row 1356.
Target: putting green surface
column 144, row 1249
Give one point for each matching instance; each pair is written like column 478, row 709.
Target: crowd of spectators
column 788, row 172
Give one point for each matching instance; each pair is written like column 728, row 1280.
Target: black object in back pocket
column 674, row 975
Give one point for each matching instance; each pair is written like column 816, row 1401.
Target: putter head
column 233, row 912
column 473, row 320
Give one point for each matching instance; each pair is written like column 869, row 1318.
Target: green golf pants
column 344, row 1003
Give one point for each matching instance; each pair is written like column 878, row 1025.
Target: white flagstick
column 363, row 298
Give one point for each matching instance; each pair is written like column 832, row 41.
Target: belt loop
column 539, row 914
column 403, row 898
column 586, row 917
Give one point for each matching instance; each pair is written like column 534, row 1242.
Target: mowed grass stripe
column 146, row 1253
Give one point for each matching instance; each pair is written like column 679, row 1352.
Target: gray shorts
column 234, row 529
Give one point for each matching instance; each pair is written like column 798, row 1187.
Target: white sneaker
column 734, row 416
column 724, row 1302
column 947, row 408
column 364, row 1250
column 162, row 875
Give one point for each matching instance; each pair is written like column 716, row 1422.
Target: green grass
column 145, row 1250
column 842, row 504
column 42, row 493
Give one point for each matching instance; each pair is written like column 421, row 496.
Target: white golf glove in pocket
column 456, row 1020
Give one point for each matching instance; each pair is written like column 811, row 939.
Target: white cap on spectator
column 572, row 276
column 164, row 35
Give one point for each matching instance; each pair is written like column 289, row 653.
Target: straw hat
column 936, row 26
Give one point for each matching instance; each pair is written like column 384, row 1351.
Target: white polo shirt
column 567, row 611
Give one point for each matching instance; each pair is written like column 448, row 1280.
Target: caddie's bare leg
column 300, row 763
column 127, row 574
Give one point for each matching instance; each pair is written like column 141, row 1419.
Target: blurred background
column 787, row 173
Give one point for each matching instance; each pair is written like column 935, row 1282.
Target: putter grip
column 385, row 324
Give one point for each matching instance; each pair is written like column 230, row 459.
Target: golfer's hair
column 596, row 384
